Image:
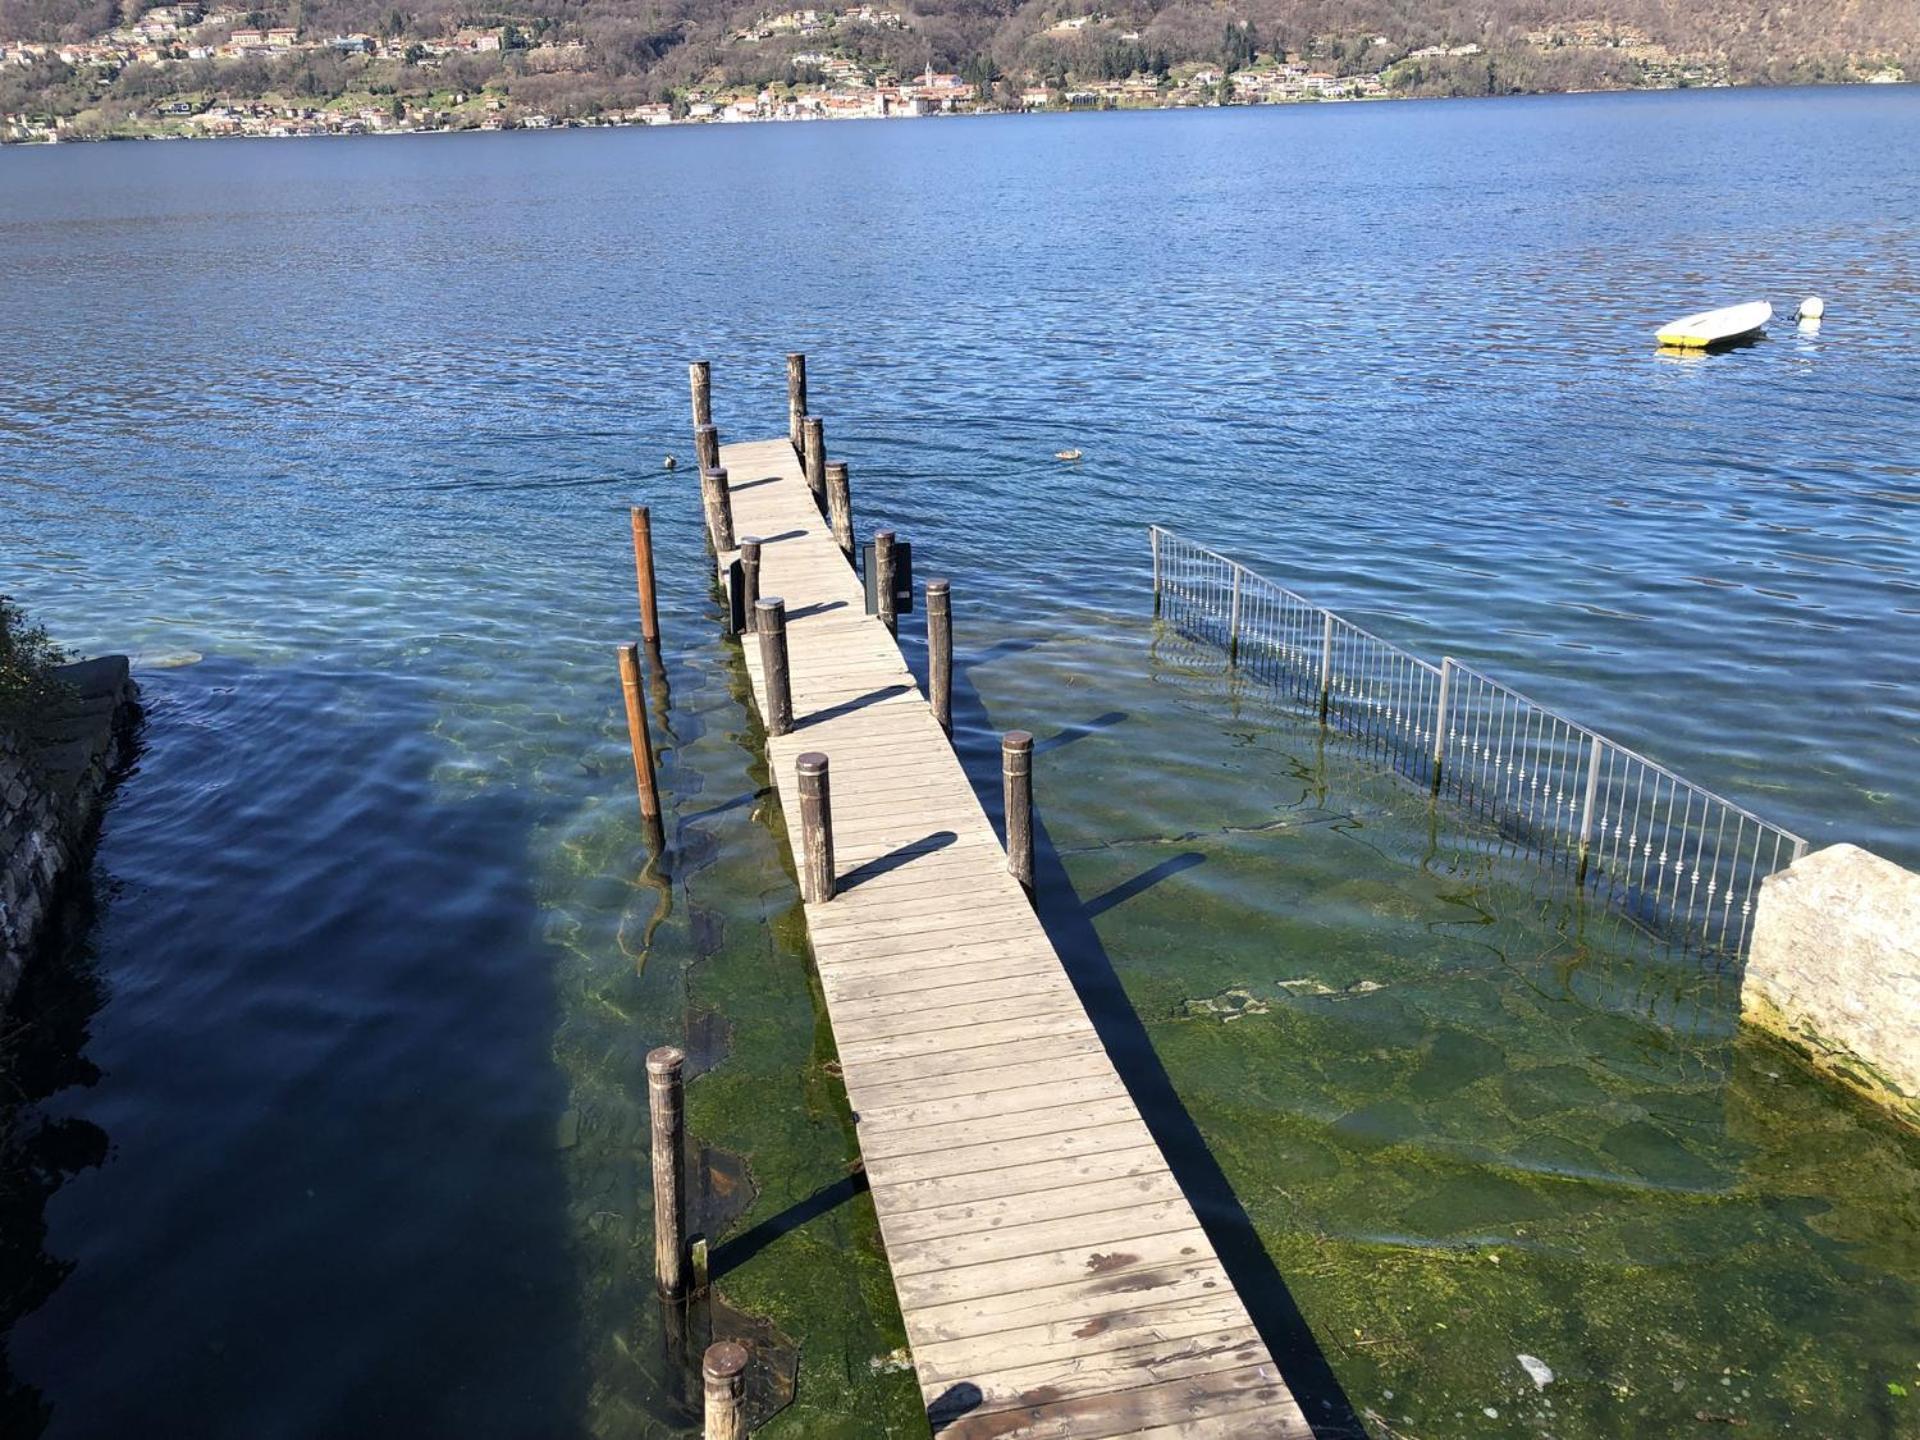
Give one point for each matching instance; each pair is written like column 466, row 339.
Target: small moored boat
column 1717, row 327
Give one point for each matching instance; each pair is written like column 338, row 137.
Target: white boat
column 1717, row 327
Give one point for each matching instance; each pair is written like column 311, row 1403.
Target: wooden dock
column 1054, row 1280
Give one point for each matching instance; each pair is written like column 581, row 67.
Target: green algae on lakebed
column 1469, row 1119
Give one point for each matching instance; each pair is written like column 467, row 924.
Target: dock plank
column 1054, row 1280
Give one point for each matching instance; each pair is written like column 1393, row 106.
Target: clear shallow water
column 356, row 421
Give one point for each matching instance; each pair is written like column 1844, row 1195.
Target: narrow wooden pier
column 1054, row 1279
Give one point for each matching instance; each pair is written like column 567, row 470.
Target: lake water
column 333, row 1118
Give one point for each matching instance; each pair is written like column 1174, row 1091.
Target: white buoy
column 1812, row 308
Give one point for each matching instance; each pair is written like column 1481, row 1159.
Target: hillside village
column 173, row 60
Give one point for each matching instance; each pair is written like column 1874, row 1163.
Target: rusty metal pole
column 643, row 574
column 636, row 698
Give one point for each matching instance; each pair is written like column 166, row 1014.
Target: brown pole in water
column 719, row 504
column 666, row 1104
column 940, row 652
column 813, row 454
column 840, row 507
column 749, row 577
column 1016, row 774
column 706, row 447
column 770, row 620
column 883, row 580
column 725, row 1374
column 816, row 829
column 796, row 397
column 700, row 376
column 643, row 574
column 636, row 698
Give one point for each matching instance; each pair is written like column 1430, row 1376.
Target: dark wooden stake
column 840, row 507
column 719, row 503
column 643, row 574
column 796, row 397
column 940, row 652
column 700, row 374
column 706, row 447
column 725, row 1371
column 1016, row 774
column 813, row 455
column 666, row 1103
column 636, row 697
column 816, row 829
column 770, row 621
column 883, row 579
column 749, row 576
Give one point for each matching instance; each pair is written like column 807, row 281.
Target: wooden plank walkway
column 1054, row 1279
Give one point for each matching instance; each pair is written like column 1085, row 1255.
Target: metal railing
column 1677, row 856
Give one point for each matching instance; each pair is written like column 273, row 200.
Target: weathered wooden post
column 636, row 697
column 725, row 1372
column 883, row 580
column 1016, row 775
column 706, row 447
column 713, row 493
column 666, row 1104
column 749, row 577
column 770, row 621
column 796, row 398
column 700, row 375
column 840, row 507
column 643, row 574
column 1440, row 721
column 813, row 453
column 1326, row 666
column 940, row 652
column 816, row 829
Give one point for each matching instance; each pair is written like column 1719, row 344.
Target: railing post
column 940, row 652
column 719, row 505
column 1440, row 720
column 883, row 580
column 700, row 377
column 796, row 398
column 724, row 1372
column 1153, row 536
column 642, row 742
column 706, row 447
column 1586, row 809
column 816, row 829
column 1233, row 622
column 1326, row 665
column 1016, row 776
column 813, row 456
column 840, row 507
column 666, row 1106
column 643, row 574
column 749, row 578
column 770, row 622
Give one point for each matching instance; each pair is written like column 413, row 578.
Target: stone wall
column 1835, row 969
column 54, row 778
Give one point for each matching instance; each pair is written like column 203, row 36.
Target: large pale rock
column 1835, row 968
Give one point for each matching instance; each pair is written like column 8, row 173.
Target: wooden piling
column 816, row 828
column 883, row 580
column 700, row 376
column 643, row 574
column 1016, row 776
column 840, row 507
column 666, row 1103
column 796, row 398
column 642, row 741
column 725, row 1373
column 706, row 447
column 940, row 652
column 813, row 457
column 770, row 621
column 749, row 576
column 719, row 504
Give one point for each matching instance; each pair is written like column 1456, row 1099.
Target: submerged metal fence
column 1686, row 861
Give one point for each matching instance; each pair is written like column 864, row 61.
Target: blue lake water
column 350, row 1063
